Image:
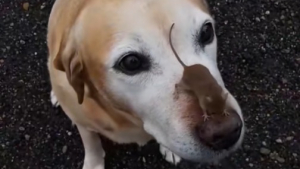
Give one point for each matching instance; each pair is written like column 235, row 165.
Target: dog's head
column 120, row 50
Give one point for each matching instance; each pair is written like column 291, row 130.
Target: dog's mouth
column 205, row 154
column 211, row 140
column 214, row 137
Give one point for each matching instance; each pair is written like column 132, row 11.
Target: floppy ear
column 68, row 60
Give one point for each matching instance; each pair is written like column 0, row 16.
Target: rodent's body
column 198, row 79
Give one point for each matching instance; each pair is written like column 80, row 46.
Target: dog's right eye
column 133, row 63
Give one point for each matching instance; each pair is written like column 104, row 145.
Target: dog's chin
column 204, row 155
column 208, row 156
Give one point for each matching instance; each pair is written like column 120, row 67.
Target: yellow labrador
column 113, row 72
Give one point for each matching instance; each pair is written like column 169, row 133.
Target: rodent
column 198, row 79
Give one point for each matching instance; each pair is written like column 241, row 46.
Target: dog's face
column 123, row 47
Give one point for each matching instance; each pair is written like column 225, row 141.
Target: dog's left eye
column 132, row 64
column 206, row 34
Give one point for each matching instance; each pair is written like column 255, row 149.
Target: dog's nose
column 220, row 132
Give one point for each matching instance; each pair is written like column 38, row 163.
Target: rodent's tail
column 174, row 51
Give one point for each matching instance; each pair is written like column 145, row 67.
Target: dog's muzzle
column 220, row 132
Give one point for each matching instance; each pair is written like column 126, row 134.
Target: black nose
column 220, row 132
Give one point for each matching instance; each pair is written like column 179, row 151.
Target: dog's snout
column 220, row 132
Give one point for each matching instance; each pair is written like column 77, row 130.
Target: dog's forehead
column 202, row 4
column 104, row 22
column 127, row 15
column 158, row 13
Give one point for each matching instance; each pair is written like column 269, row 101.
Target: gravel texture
column 258, row 57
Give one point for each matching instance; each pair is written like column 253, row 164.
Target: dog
column 113, row 73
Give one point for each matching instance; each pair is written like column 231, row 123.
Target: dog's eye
column 207, row 34
column 132, row 64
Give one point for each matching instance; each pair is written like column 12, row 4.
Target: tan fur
column 68, row 65
column 84, row 41
column 64, row 49
column 202, row 4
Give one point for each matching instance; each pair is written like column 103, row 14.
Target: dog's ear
column 68, row 60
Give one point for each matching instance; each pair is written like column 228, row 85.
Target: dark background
column 258, row 57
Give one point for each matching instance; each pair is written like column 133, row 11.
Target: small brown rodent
column 198, row 79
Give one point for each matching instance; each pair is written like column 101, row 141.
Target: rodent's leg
column 205, row 116
column 203, row 107
column 226, row 113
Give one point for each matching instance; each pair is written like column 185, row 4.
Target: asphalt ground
column 258, row 56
